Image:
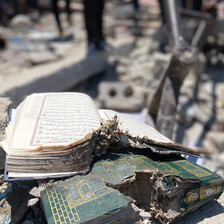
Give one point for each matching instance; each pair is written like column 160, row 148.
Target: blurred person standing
column 56, row 11
column 93, row 16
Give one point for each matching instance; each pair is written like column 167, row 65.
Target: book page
column 53, row 120
column 134, row 127
column 38, row 175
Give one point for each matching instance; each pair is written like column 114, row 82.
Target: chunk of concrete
column 214, row 140
column 39, row 57
column 61, row 75
column 56, row 76
column 4, row 108
column 20, row 21
column 120, row 96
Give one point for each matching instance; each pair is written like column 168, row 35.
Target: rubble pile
column 200, row 115
column 32, row 42
column 4, row 109
column 200, row 111
column 214, row 49
column 139, row 75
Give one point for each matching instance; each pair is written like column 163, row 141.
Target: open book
column 58, row 134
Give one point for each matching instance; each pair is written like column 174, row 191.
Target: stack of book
column 57, row 134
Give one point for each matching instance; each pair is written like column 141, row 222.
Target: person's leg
column 183, row 4
column 68, row 11
column 162, row 11
column 16, row 7
column 89, row 19
column 136, row 5
column 32, row 4
column 197, row 5
column 93, row 12
column 56, row 14
column 98, row 27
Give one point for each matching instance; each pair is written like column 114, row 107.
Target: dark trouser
column 197, row 5
column 162, row 11
column 93, row 13
column 33, row 4
column 56, row 12
column 136, row 5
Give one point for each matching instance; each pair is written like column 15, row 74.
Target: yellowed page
column 39, row 175
column 53, row 119
column 134, row 127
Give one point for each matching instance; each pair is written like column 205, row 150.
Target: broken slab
column 121, row 96
column 20, row 22
column 40, row 57
column 61, row 75
column 4, row 110
column 122, row 46
column 167, row 187
column 52, row 77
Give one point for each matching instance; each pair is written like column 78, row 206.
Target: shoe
column 92, row 49
column 104, row 46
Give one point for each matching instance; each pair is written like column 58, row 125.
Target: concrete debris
column 41, row 36
column 145, row 215
column 35, row 192
column 201, row 112
column 121, row 96
column 124, row 12
column 20, row 22
column 214, row 49
column 4, row 111
column 193, row 135
column 32, row 202
column 214, row 140
column 141, row 68
column 141, row 71
column 40, row 57
column 205, row 105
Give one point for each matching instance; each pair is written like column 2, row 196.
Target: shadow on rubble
column 204, row 109
column 25, row 208
column 90, row 86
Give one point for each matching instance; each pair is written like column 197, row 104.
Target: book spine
column 203, row 194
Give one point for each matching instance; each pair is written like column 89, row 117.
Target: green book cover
column 167, row 186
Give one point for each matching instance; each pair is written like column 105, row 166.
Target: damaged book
column 120, row 185
column 58, row 134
